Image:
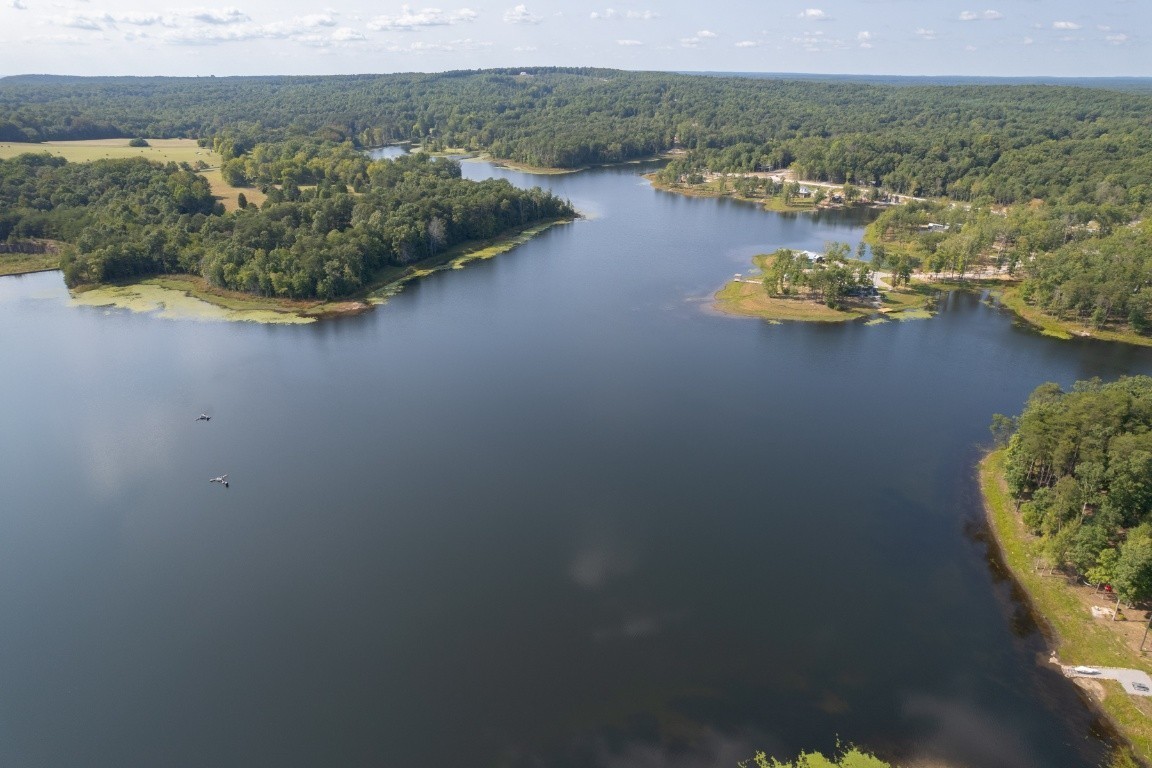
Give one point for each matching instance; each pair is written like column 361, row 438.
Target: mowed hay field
column 160, row 150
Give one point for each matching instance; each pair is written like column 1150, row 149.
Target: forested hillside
column 1003, row 143
column 128, row 218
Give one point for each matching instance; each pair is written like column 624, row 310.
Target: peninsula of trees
column 331, row 221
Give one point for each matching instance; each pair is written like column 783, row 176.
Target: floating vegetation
column 173, row 304
column 910, row 314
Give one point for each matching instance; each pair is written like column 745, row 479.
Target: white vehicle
column 1086, row 670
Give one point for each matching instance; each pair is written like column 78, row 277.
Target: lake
column 548, row 510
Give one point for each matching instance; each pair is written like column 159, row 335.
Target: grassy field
column 22, row 263
column 230, row 195
column 1076, row 636
column 161, row 150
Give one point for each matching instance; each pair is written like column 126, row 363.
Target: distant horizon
column 888, row 38
column 861, row 76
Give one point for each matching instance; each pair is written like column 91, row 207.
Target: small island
column 807, row 286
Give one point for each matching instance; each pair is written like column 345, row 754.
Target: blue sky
column 902, row 37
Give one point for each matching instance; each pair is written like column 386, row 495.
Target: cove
column 545, row 510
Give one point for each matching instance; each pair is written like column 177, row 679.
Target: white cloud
column 1028, row 41
column 629, row 42
column 80, row 21
column 814, row 14
column 211, row 35
column 988, row 15
column 191, row 26
column 301, row 25
column 58, row 40
column 140, row 20
column 1118, row 39
column 423, row 47
column 521, row 15
column 218, row 15
column 339, row 37
column 612, row 13
column 818, row 42
column 18, row 5
column 1065, row 25
column 695, row 40
column 925, row 34
column 425, row 17
column 452, row 46
column 747, row 44
column 864, row 38
column 317, row 30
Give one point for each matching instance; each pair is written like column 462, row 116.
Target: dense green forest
column 128, row 218
column 1002, row 143
column 1079, row 464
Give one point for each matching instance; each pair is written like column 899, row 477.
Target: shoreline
column 1065, row 620
column 191, row 297
column 733, row 298
column 745, row 296
column 775, row 204
column 540, row 170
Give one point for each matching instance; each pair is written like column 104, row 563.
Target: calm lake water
column 544, row 511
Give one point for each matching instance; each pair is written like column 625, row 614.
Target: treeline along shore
column 331, row 224
column 1069, row 499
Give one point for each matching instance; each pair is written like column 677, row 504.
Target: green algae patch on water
column 174, row 304
column 910, row 314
